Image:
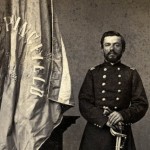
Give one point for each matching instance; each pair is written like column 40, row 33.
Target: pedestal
column 55, row 142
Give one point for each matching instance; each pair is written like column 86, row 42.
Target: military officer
column 115, row 86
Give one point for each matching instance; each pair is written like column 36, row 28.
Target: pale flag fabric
column 37, row 84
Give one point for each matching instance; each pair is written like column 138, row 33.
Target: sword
column 119, row 141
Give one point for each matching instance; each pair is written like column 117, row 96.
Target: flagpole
column 51, row 30
column 52, row 26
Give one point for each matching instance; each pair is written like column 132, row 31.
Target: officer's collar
column 111, row 64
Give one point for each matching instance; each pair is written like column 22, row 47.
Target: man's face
column 112, row 48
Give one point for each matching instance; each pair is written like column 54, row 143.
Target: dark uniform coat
column 118, row 87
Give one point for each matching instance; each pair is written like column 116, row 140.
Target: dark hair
column 113, row 33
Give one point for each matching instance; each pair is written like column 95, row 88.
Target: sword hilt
column 119, row 142
column 120, row 127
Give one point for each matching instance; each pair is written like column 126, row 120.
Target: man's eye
column 107, row 44
column 118, row 45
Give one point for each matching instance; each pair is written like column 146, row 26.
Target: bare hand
column 108, row 124
column 114, row 118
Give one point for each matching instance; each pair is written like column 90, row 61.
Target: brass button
column 105, row 69
column 103, row 84
column 119, row 75
column 104, row 107
column 119, row 83
column 103, row 99
column 118, row 68
column 119, row 91
column 115, row 107
column 103, row 91
column 104, row 76
column 117, row 98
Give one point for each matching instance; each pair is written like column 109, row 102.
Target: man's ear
column 123, row 50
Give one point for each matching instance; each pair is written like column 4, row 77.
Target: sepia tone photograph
column 74, row 75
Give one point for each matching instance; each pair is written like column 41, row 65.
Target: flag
column 36, row 85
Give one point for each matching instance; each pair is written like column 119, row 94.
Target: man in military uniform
column 115, row 86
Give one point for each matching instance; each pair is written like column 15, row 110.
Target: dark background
column 82, row 22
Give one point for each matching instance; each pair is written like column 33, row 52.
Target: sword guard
column 114, row 133
column 119, row 141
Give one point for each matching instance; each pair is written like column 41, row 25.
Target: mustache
column 112, row 52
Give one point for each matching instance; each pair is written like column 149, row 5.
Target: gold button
column 105, row 69
column 118, row 68
column 117, row 98
column 103, row 91
column 115, row 107
column 103, row 84
column 119, row 91
column 104, row 76
column 103, row 99
column 119, row 83
column 119, row 75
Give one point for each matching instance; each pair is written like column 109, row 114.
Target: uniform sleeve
column 89, row 111
column 139, row 102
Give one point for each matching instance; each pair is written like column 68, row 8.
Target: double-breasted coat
column 118, row 87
